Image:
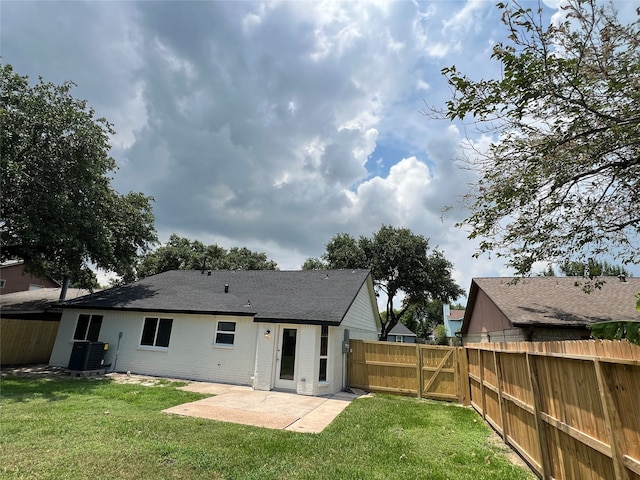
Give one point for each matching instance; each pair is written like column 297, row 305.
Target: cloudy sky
column 276, row 125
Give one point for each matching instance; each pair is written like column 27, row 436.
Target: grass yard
column 68, row 428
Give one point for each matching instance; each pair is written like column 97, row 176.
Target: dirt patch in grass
column 44, row 371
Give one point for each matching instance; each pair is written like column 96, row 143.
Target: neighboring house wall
column 14, row 279
column 454, row 326
column 401, row 338
column 486, row 317
column 536, row 334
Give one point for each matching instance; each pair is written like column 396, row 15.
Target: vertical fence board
column 26, row 341
column 581, row 405
column 410, row 369
column 570, row 409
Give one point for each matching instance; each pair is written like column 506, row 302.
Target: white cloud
column 260, row 124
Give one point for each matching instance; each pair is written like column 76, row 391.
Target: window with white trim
column 88, row 327
column 324, row 349
column 2, row 282
column 225, row 333
column 156, row 332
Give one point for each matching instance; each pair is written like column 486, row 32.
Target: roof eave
column 161, row 310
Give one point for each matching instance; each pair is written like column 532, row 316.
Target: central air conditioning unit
column 87, row 356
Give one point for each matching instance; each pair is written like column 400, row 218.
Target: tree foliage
column 561, row 182
column 593, row 269
column 422, row 319
column 313, row 263
column 401, row 266
column 59, row 212
column 180, row 253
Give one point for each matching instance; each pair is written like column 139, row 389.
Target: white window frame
column 324, row 357
column 92, row 319
column 2, row 282
column 219, row 331
column 154, row 345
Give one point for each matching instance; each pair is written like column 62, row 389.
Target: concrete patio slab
column 268, row 409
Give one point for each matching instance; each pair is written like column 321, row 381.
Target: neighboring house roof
column 401, row 329
column 306, row 296
column 35, row 301
column 456, row 315
column 556, row 301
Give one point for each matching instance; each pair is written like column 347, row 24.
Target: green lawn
column 78, row 428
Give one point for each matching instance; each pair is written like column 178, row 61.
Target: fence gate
column 426, row 371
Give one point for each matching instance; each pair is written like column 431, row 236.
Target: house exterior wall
column 361, row 318
column 337, row 368
column 16, row 280
column 250, row 361
column 191, row 353
column 308, row 359
column 486, row 317
column 266, row 346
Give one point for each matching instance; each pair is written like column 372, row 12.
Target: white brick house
column 281, row 330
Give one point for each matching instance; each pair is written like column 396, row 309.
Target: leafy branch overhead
column 561, row 180
column 59, row 212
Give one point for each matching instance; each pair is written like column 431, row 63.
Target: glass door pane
column 288, row 354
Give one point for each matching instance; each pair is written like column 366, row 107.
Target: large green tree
column 561, row 181
column 404, row 271
column 180, row 253
column 59, row 212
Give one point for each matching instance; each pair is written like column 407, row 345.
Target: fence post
column 614, row 424
column 543, row 443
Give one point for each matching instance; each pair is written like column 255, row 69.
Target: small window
column 2, row 282
column 324, row 348
column 225, row 333
column 156, row 332
column 88, row 327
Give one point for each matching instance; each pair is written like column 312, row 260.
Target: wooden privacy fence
column 571, row 409
column 26, row 341
column 410, row 369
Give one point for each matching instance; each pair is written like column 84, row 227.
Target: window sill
column 153, row 349
column 224, row 346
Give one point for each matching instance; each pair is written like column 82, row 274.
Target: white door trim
column 289, row 333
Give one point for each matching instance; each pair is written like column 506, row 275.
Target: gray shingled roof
column 401, row 329
column 307, row 296
column 557, row 302
column 37, row 300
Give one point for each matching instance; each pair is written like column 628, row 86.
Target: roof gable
column 556, row 301
column 305, row 296
column 401, row 329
